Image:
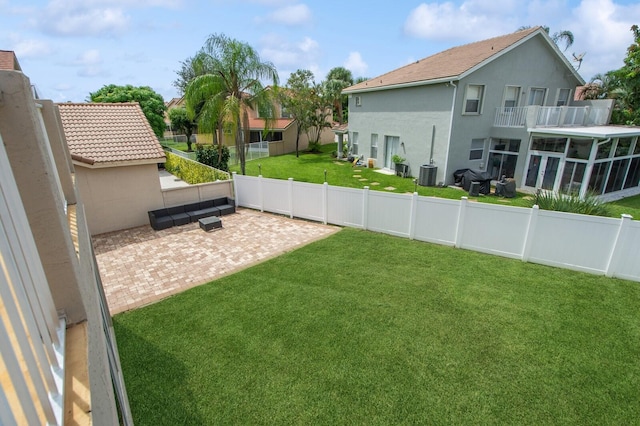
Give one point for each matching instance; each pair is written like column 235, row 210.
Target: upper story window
column 473, row 99
column 537, row 95
column 358, row 101
column 511, row 96
column 284, row 112
column 563, row 97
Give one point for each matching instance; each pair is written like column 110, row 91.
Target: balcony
column 545, row 116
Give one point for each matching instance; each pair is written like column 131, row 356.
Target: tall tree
column 564, row 36
column 338, row 79
column 622, row 84
column 303, row 99
column 230, row 87
column 181, row 122
column 152, row 103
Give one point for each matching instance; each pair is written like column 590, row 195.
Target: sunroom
column 599, row 160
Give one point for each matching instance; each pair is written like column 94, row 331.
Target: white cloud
column 29, row 48
column 90, row 63
column 294, row 15
column 288, row 55
column 356, row 64
column 447, row 21
column 69, row 18
column 602, row 30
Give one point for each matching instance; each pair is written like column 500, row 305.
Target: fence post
column 618, row 243
column 365, row 207
column 260, row 188
column 530, row 233
column 235, row 188
column 290, row 190
column 460, row 225
column 412, row 215
column 325, row 203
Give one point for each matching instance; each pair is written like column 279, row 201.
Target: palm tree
column 229, row 87
column 338, row 79
column 565, row 36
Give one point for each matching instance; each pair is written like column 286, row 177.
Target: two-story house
column 503, row 105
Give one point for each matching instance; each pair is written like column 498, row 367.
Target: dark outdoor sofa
column 181, row 215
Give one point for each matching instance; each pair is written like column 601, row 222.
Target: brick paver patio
column 141, row 266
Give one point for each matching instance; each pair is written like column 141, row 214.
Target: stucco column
column 36, row 178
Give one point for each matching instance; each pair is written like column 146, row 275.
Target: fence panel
column 276, row 196
column 574, row 241
column 494, row 229
column 344, row 206
column 629, row 267
column 436, row 220
column 389, row 213
column 308, row 201
column 248, row 193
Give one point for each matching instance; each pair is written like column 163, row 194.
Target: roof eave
column 405, row 85
column 108, row 164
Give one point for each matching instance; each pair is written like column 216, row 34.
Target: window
column 549, row 144
column 563, row 97
column 580, row 148
column 374, row 145
column 354, row 143
column 477, row 149
column 503, row 156
column 536, row 96
column 473, row 99
column 511, row 96
column 358, row 101
column 622, row 147
column 284, row 113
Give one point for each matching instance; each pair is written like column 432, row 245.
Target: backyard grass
column 365, row 328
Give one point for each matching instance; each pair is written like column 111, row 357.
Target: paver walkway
column 141, row 266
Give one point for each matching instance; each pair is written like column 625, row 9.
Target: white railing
column 598, row 245
column 32, row 336
column 253, row 151
column 550, row 116
column 510, row 117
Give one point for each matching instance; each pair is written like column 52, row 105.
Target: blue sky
column 70, row 48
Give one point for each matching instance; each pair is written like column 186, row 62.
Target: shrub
column 208, row 154
column 191, row 171
column 570, row 203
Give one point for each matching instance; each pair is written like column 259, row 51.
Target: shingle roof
column 8, row 61
column 451, row 63
column 108, row 133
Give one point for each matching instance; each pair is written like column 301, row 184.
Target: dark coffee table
column 209, row 223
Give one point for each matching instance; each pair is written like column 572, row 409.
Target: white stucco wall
column 119, row 197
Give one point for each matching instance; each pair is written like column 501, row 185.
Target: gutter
column 453, row 107
column 401, row 85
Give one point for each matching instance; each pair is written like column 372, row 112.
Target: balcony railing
column 546, row 116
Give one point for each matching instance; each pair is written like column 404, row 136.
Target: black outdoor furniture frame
column 188, row 213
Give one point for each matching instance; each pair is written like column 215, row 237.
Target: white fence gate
column 597, row 245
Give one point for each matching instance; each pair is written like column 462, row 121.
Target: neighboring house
column 281, row 138
column 60, row 362
column 116, row 156
column 503, row 105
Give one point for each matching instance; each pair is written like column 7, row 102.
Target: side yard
column 365, row 328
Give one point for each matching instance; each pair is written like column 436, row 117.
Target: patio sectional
column 188, row 213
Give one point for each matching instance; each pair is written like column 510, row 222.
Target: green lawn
column 310, row 167
column 364, row 328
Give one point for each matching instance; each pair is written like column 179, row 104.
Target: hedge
column 192, row 172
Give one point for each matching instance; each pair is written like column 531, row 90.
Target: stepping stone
column 357, row 171
column 339, row 163
column 390, row 188
column 357, row 176
column 363, row 180
column 375, row 183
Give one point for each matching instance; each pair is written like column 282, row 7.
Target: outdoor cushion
column 206, row 204
column 160, row 219
column 175, row 210
column 220, row 201
column 191, row 207
column 199, row 214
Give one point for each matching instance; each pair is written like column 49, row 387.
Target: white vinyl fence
column 597, row 245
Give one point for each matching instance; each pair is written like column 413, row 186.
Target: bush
column 208, row 154
column 571, row 203
column 190, row 171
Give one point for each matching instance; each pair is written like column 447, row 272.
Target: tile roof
column 103, row 133
column 276, row 125
column 8, row 61
column 451, row 63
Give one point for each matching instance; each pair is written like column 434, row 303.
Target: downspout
column 433, row 140
column 453, row 107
